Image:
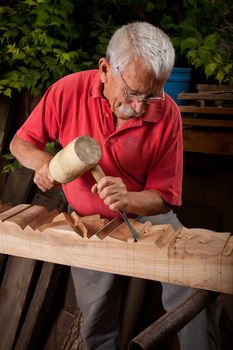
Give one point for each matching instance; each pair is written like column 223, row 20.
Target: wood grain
column 207, row 110
column 39, row 307
column 211, row 142
column 13, row 297
column 191, row 257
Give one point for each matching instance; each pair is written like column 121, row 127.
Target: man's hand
column 113, row 192
column 33, row 158
column 43, row 179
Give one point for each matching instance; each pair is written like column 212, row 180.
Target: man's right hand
column 32, row 157
column 43, row 179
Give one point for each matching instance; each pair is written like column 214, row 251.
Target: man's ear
column 104, row 69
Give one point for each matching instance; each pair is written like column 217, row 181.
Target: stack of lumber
column 209, row 99
column 192, row 257
column 208, row 119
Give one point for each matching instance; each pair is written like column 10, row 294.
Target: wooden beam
column 208, row 95
column 214, row 87
column 216, row 123
column 206, row 141
column 191, row 257
column 207, row 110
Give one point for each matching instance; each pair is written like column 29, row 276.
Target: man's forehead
column 139, row 80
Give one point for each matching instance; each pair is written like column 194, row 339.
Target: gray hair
column 145, row 41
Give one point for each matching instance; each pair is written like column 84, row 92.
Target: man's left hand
column 113, row 192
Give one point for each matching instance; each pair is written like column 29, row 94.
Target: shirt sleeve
column 166, row 175
column 43, row 123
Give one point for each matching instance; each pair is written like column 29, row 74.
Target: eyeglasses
column 139, row 98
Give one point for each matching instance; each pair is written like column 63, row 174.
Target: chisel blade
column 134, row 233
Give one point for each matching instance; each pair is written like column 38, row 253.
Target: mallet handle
column 97, row 173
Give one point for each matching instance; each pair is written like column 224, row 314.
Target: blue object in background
column 177, row 82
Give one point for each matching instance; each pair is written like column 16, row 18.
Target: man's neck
column 118, row 122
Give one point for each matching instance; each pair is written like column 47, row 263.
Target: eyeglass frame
column 131, row 97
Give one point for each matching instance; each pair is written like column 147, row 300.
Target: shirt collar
column 153, row 113
column 96, row 90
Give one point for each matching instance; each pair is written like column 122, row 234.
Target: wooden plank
column 187, row 257
column 64, row 333
column 213, row 95
column 207, row 110
column 7, row 214
column 216, row 123
column 18, row 186
column 39, row 307
column 211, row 142
column 214, row 87
column 14, row 292
column 32, row 215
column 5, row 206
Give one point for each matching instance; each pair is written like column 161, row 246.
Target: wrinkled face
column 125, row 90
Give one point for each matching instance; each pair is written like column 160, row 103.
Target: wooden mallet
column 79, row 156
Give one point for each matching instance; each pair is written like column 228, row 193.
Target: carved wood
column 191, row 257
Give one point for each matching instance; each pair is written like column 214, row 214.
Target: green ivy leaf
column 210, row 41
column 210, row 69
column 8, row 92
column 228, row 68
column 220, row 76
column 189, row 43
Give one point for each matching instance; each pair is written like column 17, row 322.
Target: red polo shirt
column 146, row 152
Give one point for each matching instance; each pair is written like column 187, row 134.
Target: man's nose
column 138, row 106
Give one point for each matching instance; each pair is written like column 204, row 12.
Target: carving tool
column 130, row 226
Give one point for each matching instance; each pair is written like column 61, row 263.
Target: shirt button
column 107, row 115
